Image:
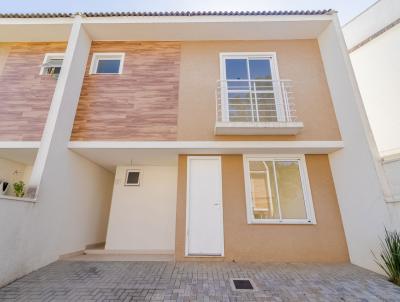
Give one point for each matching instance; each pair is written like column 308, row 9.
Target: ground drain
column 239, row 284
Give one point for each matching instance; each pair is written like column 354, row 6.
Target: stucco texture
column 322, row 242
column 298, row 60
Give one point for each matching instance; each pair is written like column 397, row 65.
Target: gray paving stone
column 200, row 281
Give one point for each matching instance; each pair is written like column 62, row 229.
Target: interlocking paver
column 198, row 281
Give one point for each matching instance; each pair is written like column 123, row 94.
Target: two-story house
column 231, row 136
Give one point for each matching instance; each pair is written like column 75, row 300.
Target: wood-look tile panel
column 25, row 96
column 140, row 104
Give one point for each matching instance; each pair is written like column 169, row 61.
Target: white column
column 359, row 181
column 60, row 119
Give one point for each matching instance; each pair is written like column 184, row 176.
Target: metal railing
column 255, row 101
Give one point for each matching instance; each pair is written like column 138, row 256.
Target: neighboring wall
column 25, row 95
column 139, row 104
column 356, row 170
column 74, row 195
column 72, row 212
column 377, row 69
column 373, row 42
column 323, row 242
column 142, row 218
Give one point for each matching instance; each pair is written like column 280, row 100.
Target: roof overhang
column 110, row 154
column 167, row 28
column 35, row 29
column 195, row 28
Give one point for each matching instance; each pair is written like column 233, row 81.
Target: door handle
column 217, row 203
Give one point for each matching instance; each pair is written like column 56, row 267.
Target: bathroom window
column 52, row 64
column 107, row 63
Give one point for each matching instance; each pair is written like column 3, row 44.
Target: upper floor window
column 277, row 190
column 52, row 64
column 107, row 63
column 250, row 87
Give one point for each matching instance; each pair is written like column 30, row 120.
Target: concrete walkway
column 205, row 281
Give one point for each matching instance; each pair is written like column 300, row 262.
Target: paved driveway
column 183, row 281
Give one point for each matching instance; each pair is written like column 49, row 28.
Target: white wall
column 377, row 69
column 142, row 218
column 373, row 19
column 72, row 212
column 356, row 168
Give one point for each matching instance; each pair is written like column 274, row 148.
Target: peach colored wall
column 298, row 60
column 323, row 242
column 25, row 95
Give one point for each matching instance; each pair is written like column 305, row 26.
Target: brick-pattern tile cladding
column 25, row 96
column 139, row 104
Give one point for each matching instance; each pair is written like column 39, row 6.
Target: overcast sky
column 347, row 8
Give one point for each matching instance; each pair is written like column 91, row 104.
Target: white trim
column 48, row 56
column 14, row 198
column 304, row 181
column 19, row 144
column 390, row 155
column 189, row 158
column 271, row 56
column 257, row 128
column 107, row 56
column 328, row 146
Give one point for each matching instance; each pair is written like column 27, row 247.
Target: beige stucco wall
column 323, row 242
column 298, row 60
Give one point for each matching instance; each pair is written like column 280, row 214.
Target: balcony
column 255, row 107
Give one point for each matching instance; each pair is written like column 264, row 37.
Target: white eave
column 112, row 153
column 167, row 28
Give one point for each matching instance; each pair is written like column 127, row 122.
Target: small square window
column 107, row 63
column 52, row 64
column 132, row 178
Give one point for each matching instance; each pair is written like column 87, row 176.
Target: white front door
column 204, row 227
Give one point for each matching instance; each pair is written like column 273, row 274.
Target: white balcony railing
column 255, row 101
column 267, row 105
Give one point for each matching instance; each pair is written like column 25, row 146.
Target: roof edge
column 173, row 14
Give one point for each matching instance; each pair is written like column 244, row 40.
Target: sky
column 347, row 8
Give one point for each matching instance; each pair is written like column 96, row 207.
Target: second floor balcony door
column 250, row 89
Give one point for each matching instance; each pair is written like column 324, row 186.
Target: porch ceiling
column 110, row 154
column 22, row 152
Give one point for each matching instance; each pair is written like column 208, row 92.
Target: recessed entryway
column 204, row 224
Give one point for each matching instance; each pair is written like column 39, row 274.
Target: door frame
column 188, row 170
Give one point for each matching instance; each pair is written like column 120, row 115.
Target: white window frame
column 139, row 178
column 304, row 182
column 223, row 56
column 47, row 57
column 107, row 56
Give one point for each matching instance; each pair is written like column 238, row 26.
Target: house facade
column 198, row 136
